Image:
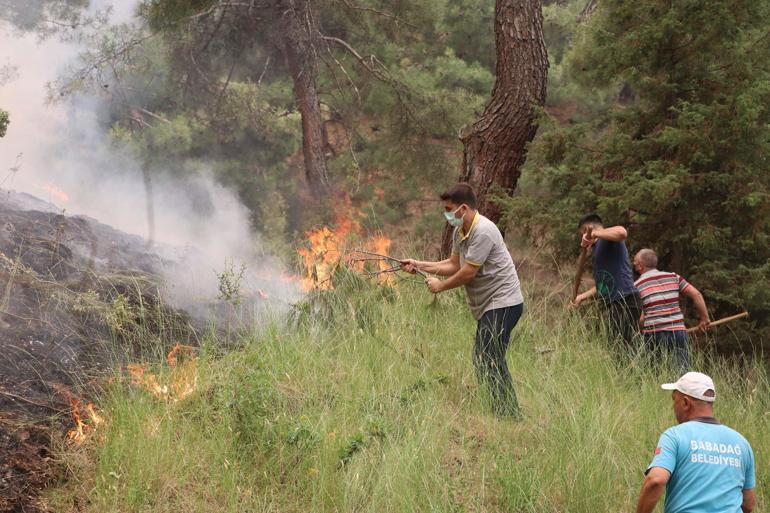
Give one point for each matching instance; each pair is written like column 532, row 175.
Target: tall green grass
column 366, row 400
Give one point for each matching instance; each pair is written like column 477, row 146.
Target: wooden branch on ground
column 29, row 401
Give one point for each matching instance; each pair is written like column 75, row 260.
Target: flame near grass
column 328, row 248
column 85, row 419
column 182, row 378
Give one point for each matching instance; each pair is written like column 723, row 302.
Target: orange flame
column 55, row 192
column 182, row 378
column 326, row 251
column 381, row 245
column 79, row 434
column 95, row 418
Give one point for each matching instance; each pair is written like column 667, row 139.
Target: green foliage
column 682, row 159
column 214, row 92
column 170, row 14
column 230, row 283
column 352, row 445
column 43, row 16
column 4, row 121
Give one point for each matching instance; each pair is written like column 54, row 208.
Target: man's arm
column 652, row 489
column 462, row 277
column 613, row 233
column 749, row 501
column 700, row 305
column 446, row 267
column 588, row 294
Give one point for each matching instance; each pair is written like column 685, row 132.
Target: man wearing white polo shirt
column 703, row 466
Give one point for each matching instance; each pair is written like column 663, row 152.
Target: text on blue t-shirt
column 710, row 466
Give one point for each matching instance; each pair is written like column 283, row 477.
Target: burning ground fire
column 85, row 419
column 180, row 383
column 78, row 433
column 329, row 248
column 181, row 380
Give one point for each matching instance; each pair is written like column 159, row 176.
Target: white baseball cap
column 694, row 384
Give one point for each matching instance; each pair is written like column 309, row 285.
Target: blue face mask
column 452, row 220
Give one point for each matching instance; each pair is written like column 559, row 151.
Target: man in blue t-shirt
column 613, row 275
column 705, row 467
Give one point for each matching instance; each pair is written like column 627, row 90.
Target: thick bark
column 495, row 145
column 298, row 33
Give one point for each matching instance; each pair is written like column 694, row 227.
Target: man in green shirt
column 481, row 263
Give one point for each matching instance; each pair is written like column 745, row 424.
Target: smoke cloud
column 61, row 153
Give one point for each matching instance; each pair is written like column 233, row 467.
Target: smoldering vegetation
column 78, row 294
column 80, row 299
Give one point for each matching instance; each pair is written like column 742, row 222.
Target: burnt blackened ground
column 76, row 296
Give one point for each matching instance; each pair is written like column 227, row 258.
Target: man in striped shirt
column 662, row 320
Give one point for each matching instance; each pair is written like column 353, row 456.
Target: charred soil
column 76, row 297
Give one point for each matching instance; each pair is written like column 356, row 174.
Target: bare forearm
column 649, row 496
column 580, row 298
column 749, row 501
column 588, row 294
column 613, row 233
column 443, row 268
column 700, row 306
column 458, row 279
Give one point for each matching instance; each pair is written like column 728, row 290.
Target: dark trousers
column 673, row 344
column 493, row 333
column 623, row 317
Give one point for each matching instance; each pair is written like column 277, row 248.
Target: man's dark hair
column 459, row 194
column 590, row 219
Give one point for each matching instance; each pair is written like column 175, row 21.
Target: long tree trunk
column 495, row 145
column 298, row 37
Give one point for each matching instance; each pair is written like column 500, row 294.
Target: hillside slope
column 366, row 400
column 77, row 296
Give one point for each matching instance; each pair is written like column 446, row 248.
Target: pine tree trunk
column 495, row 145
column 298, row 36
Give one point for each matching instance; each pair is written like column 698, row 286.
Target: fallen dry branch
column 389, row 258
column 23, row 399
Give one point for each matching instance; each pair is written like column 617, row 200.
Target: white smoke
column 62, row 154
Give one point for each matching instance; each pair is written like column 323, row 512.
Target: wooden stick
column 387, row 257
column 581, row 267
column 721, row 321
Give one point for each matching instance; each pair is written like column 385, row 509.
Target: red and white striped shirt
column 660, row 300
